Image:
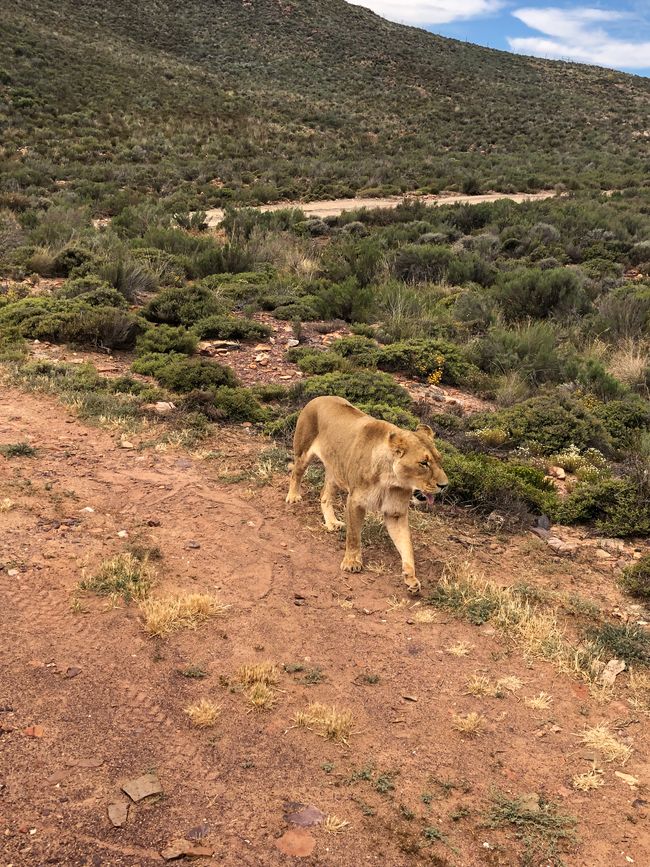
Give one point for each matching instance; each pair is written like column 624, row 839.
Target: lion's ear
column 397, row 444
column 425, row 429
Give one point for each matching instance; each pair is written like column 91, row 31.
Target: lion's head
column 417, row 463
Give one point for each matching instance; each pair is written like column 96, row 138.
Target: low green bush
column 360, row 386
column 423, row 358
column 393, row 414
column 550, row 422
column 182, row 305
column 225, row 403
column 359, row 350
column 624, row 418
column 533, row 350
column 539, row 294
column 93, row 291
column 221, row 327
column 616, row 506
column 316, row 363
column 490, row 484
column 635, row 579
column 187, row 374
column 165, row 339
column 270, row 392
column 152, row 362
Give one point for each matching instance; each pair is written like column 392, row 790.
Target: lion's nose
column 442, row 487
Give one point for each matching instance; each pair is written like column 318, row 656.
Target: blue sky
column 612, row 33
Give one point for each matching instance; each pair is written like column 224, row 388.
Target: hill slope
column 270, row 98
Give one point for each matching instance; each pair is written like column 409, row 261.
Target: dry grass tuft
column 536, row 632
column 424, row 615
column 471, row 725
column 511, row 683
column 124, row 575
column 167, row 614
column 460, row 648
column 600, row 738
column 630, row 362
column 640, row 691
column 261, row 696
column 541, row 701
column 395, row 604
column 258, row 672
column 203, row 713
column 334, row 825
column 591, row 779
column 328, row 722
column 480, row 686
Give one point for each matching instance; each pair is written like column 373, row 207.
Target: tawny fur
column 376, row 463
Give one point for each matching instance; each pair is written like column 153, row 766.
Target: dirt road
column 111, row 701
column 334, row 207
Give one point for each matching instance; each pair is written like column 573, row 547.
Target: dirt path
column 413, row 790
column 334, row 207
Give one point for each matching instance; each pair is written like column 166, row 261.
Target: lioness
column 378, row 465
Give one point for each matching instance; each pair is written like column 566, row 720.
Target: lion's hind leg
column 303, row 442
column 327, row 497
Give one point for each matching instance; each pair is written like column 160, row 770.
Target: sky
column 611, row 33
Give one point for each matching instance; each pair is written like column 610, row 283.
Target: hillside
column 261, row 100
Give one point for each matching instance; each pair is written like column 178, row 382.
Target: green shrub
column 239, row 404
column 629, row 642
column 93, row 291
column 182, row 305
column 305, row 309
column 490, row 484
column 316, row 363
column 165, row 339
column 360, row 351
column 635, row 579
column 150, row 364
column 395, row 415
column 624, row 418
column 220, row 327
column 532, row 350
column 346, row 300
column 551, row 421
column 537, row 293
column 615, row 505
column 270, row 392
column 186, row 374
column 358, row 387
column 425, row 358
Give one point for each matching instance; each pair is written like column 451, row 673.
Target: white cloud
column 430, row 11
column 577, row 34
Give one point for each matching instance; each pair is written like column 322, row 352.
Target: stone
column 560, row 546
column 118, row 813
column 557, row 473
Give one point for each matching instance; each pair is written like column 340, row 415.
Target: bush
column 182, row 306
column 150, row 364
column 616, row 506
column 165, row 339
column 623, row 419
column 358, row 387
column 401, row 417
column 490, row 484
column 346, row 300
column 238, row 404
column 317, row 363
column 635, row 579
column 360, row 351
column 551, row 421
column 270, row 392
column 131, row 278
column 537, row 293
column 531, row 350
column 93, row 291
column 222, row 327
column 187, row 374
column 433, row 359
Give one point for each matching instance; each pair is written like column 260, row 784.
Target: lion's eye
column 424, row 463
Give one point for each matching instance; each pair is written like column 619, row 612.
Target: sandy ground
column 334, row 207
column 109, row 700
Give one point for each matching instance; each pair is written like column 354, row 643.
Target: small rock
column 93, row 762
column 185, row 849
column 611, row 671
column 122, row 534
column 198, row 833
column 126, row 444
column 296, row 842
column 72, row 671
column 627, row 778
column 410, row 697
column 164, row 407
column 88, row 509
column 541, row 532
column 437, row 393
column 193, row 544
column 261, row 347
column 560, row 546
column 118, row 813
column 303, row 815
column 530, row 802
column 291, row 342
column 34, row 731
column 602, row 555
column 12, row 572
column 557, row 473
column 142, row 787
column 153, row 522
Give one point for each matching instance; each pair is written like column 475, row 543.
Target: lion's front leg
column 355, row 514
column 399, row 531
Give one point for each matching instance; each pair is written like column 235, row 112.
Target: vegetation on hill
column 110, row 103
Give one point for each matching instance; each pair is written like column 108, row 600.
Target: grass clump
column 470, row 725
column 600, row 738
column 537, row 823
column 635, row 579
column 259, row 680
column 589, row 780
column 327, row 722
column 541, row 701
column 17, row 450
column 629, row 642
column 334, row 825
column 124, row 575
column 203, row 713
column 481, row 686
column 167, row 614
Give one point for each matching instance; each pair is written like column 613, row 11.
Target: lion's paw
column 352, row 564
column 412, row 583
column 331, row 526
column 293, row 498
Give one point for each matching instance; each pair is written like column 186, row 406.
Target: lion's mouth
column 424, row 497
